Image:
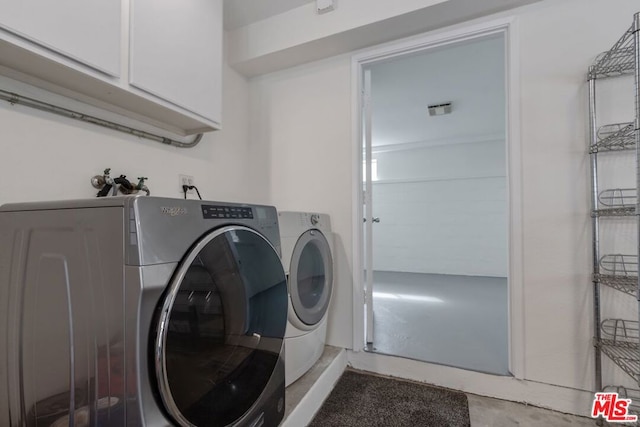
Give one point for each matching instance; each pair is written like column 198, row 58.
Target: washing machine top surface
column 67, row 204
column 159, row 230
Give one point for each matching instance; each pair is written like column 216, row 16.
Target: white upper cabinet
column 176, row 52
column 87, row 32
column 158, row 62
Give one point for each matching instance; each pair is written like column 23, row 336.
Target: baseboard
column 309, row 405
column 557, row 398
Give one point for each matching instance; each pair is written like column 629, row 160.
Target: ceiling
column 469, row 74
column 238, row 13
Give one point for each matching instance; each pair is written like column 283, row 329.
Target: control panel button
column 218, row 212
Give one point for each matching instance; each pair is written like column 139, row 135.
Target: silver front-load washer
column 141, row 311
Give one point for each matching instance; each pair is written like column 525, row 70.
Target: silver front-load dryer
column 141, row 311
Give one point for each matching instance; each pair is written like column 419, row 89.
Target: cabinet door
column 88, row 32
column 176, row 52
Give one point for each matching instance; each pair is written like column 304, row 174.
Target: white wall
column 46, row 157
column 302, row 119
column 442, row 210
column 441, row 189
column 307, row 127
column 301, row 25
column 474, row 159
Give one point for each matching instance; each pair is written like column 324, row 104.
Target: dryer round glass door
column 311, row 277
column 220, row 328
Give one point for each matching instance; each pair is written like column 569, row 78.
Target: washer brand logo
column 612, row 408
column 173, row 211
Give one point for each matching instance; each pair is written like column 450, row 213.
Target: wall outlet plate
column 186, row 180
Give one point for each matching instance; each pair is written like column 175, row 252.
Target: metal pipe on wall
column 15, row 99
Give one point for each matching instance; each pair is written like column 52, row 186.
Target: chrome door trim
column 311, row 316
column 161, row 336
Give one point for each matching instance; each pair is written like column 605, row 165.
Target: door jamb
column 359, row 60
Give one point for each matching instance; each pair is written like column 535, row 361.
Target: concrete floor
column 488, row 412
column 451, row 320
column 483, row 411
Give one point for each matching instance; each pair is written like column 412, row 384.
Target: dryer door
column 220, row 329
column 311, row 277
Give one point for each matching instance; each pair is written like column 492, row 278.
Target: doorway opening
column 435, row 235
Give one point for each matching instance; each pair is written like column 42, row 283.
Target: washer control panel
column 219, row 211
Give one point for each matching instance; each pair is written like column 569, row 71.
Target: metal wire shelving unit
column 617, row 339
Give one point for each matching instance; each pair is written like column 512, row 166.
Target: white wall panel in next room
column 450, row 226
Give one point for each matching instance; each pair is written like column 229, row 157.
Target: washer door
column 311, row 277
column 220, row 328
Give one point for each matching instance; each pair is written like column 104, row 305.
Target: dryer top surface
column 294, row 224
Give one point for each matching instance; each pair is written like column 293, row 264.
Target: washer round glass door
column 311, row 277
column 220, row 328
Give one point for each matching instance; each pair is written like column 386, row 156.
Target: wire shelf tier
column 618, row 197
column 616, row 202
column 628, row 285
column 624, row 354
column 618, row 60
column 620, row 272
column 613, row 212
column 619, row 341
column 619, row 265
column 615, row 137
column 620, row 331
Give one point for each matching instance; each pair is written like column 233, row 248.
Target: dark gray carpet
column 362, row 400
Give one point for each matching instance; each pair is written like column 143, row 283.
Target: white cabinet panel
column 176, row 52
column 87, row 31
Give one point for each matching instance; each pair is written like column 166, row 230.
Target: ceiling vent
column 440, row 109
column 324, row 6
